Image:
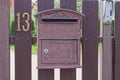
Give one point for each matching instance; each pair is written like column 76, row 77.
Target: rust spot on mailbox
column 58, row 38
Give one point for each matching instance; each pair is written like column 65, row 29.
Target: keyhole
column 46, row 51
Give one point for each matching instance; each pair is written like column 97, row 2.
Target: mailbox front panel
column 59, row 51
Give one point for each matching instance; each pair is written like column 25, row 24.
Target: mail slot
column 59, row 20
column 59, row 38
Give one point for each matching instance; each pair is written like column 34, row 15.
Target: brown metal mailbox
column 59, row 38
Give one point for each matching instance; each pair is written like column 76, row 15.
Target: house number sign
column 26, row 26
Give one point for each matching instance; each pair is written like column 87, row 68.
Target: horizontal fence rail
column 34, row 39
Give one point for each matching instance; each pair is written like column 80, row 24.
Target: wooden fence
column 23, row 41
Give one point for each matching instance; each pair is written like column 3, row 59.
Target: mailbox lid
column 58, row 13
column 59, row 52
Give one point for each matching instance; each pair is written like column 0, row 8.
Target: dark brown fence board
column 117, row 41
column 68, row 74
column 45, row 74
column 4, row 40
column 68, row 4
column 45, row 4
column 22, row 40
column 113, row 59
column 90, row 41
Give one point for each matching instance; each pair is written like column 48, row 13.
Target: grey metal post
column 107, row 42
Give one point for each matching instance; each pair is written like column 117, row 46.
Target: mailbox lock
column 46, row 51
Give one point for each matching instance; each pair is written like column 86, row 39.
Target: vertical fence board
column 4, row 40
column 68, row 4
column 45, row 4
column 45, row 74
column 68, row 74
column 113, row 59
column 117, row 41
column 90, row 40
column 22, row 40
